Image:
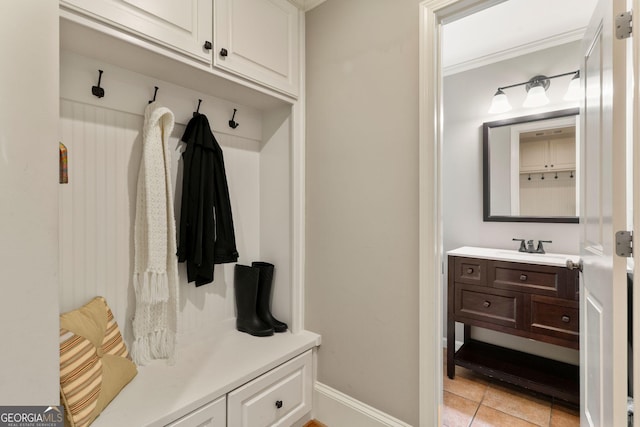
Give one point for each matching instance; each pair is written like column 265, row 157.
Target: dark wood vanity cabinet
column 538, row 302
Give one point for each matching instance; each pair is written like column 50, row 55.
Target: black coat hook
column 197, row 109
column 155, row 92
column 232, row 123
column 97, row 90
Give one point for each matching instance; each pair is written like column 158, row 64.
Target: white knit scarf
column 155, row 275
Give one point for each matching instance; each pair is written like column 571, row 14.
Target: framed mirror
column 530, row 168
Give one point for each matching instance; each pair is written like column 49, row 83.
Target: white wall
column 467, row 97
column 362, row 199
column 29, row 203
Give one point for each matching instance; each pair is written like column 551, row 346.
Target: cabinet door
column 562, row 152
column 259, row 40
column 181, row 25
column 213, row 414
column 534, row 156
column 278, row 398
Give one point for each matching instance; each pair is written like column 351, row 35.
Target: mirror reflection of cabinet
column 550, row 150
column 530, row 168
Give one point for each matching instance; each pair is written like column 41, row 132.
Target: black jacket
column 206, row 224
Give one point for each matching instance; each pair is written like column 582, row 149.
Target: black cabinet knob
column 207, row 45
column 223, row 52
column 278, row 404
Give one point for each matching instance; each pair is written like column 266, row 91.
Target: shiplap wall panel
column 549, row 196
column 97, row 212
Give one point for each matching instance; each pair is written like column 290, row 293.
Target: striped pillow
column 94, row 362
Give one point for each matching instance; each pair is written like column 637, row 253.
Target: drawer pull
column 486, row 304
column 523, row 277
column 566, row 319
column 278, row 404
column 469, row 270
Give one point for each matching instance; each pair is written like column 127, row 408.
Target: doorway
column 434, row 194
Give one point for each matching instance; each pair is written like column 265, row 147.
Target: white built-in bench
column 232, row 380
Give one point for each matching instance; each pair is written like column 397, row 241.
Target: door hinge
column 624, row 244
column 623, row 25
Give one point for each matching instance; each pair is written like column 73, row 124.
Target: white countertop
column 514, row 256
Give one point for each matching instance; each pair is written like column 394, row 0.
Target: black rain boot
column 264, row 296
column 245, row 283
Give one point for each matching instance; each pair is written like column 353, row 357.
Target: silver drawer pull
column 523, row 277
column 469, row 270
column 486, row 304
column 566, row 319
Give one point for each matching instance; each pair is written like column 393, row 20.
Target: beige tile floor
column 472, row 400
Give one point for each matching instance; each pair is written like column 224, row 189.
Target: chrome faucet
column 529, row 248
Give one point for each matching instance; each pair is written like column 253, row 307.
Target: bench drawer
column 278, row 398
column 213, row 414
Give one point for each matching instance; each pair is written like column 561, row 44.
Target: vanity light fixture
column 573, row 91
column 536, row 92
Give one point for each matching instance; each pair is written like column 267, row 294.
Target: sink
column 548, row 257
column 513, row 255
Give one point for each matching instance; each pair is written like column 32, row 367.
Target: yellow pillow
column 94, row 362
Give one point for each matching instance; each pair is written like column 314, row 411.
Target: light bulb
column 499, row 103
column 574, row 92
column 536, row 97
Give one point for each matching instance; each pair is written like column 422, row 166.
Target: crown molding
column 516, row 51
column 307, row 5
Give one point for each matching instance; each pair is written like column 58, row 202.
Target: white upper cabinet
column 184, row 26
column 549, row 150
column 259, row 40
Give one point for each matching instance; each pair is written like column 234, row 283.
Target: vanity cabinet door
column 258, row 40
column 184, row 26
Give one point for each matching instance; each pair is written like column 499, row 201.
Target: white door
column 603, row 299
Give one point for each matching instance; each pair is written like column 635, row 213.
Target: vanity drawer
column 470, row 270
column 534, row 279
column 493, row 306
column 555, row 317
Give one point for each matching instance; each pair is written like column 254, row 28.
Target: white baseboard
column 458, row 344
column 336, row 409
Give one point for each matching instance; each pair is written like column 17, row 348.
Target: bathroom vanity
column 528, row 295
